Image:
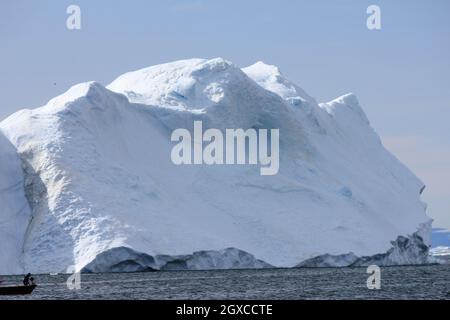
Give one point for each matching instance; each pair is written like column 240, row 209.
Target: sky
column 401, row 73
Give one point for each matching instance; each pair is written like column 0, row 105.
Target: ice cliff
column 87, row 180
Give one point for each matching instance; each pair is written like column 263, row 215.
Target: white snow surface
column 440, row 255
column 98, row 173
column 14, row 209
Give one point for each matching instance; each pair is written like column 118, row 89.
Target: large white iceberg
column 98, row 177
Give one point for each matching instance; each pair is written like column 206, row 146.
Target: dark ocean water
column 424, row 282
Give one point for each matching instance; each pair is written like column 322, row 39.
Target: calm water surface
column 425, row 282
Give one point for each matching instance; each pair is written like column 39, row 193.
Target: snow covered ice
column 440, row 254
column 87, row 180
column 14, row 209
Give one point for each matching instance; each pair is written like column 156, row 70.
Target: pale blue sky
column 401, row 73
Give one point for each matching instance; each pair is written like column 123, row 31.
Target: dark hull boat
column 16, row 290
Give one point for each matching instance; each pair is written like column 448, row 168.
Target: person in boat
column 26, row 280
column 31, row 281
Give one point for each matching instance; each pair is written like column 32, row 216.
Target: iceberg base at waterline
column 91, row 172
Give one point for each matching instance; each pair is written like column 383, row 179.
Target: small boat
column 16, row 290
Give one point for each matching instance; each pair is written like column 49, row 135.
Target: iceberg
column 87, row 180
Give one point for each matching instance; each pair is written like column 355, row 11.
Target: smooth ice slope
column 14, row 210
column 97, row 162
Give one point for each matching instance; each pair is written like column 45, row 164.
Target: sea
column 404, row 282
